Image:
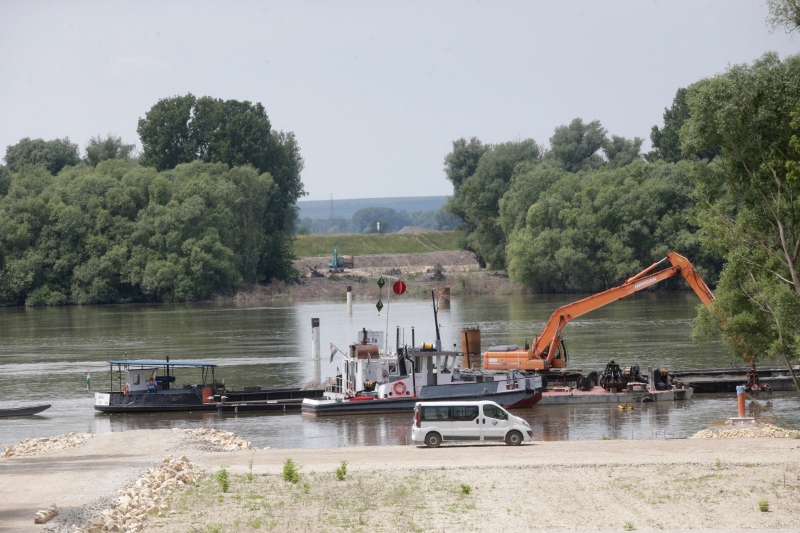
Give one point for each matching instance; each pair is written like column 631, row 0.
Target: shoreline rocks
column 31, row 447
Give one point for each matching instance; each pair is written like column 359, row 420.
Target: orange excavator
column 548, row 349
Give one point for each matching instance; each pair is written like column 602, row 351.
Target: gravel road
column 610, row 485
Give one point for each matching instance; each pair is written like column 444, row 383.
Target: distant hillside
column 321, row 209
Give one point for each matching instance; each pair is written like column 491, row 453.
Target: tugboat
column 376, row 383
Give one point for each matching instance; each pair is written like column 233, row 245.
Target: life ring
column 399, row 388
column 126, row 389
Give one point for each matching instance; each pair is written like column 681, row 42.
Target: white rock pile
column 29, row 447
column 756, row 430
column 220, row 438
column 149, row 493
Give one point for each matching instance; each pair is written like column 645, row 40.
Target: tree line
column 378, row 220
column 209, row 206
column 720, row 186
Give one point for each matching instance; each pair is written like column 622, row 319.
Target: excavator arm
column 547, row 349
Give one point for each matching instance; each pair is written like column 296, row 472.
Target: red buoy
column 399, row 287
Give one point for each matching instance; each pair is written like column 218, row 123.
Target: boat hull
column 256, row 400
column 366, row 405
column 159, row 402
column 24, row 411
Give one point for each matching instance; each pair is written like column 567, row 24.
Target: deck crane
column 548, row 349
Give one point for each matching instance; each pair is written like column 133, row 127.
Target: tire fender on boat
column 399, row 388
column 126, row 389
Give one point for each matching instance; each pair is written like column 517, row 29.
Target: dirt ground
column 378, row 264
column 460, row 272
column 614, row 485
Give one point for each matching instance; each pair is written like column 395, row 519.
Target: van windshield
column 493, row 411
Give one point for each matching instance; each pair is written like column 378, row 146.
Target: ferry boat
column 151, row 387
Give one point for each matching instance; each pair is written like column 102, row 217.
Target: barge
column 150, row 387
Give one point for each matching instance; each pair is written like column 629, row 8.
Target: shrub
column 341, row 471
column 222, row 479
column 291, row 472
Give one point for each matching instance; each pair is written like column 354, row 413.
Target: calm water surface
column 45, row 354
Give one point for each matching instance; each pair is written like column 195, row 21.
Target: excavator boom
column 547, row 349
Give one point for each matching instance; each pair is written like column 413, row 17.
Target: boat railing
column 334, row 384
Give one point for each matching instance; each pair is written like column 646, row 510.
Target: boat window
column 493, row 411
column 393, row 368
column 136, row 379
column 438, row 412
column 465, row 412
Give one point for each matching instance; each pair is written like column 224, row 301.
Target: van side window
column 436, row 413
column 494, row 412
column 465, row 412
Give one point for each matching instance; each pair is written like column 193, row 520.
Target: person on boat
column 88, row 381
column 151, row 385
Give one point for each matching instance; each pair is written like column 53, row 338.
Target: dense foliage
column 750, row 201
column 211, row 206
column 580, row 216
column 123, row 232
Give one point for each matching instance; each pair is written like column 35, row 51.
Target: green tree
column 53, row 155
column 459, row 165
column 588, row 231
column 749, row 202
column 167, row 133
column 111, row 147
column 364, row 220
column 574, row 147
column 666, row 141
column 482, row 192
column 785, row 14
column 620, row 151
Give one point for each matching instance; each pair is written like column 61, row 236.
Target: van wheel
column 514, row 438
column 433, row 440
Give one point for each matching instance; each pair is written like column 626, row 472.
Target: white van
column 481, row 421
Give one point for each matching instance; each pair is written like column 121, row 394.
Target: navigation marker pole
column 315, row 349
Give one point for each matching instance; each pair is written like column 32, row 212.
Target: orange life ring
column 126, row 389
column 399, row 388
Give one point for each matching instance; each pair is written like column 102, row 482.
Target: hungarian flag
column 334, row 351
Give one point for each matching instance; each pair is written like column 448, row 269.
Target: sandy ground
column 614, row 485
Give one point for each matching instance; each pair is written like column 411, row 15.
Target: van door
column 466, row 422
column 494, row 422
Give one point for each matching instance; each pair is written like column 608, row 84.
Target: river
column 45, row 354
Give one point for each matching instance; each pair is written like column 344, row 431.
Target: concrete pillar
column 315, row 339
column 349, row 300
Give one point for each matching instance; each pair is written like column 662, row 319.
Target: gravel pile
column 750, row 430
column 30, row 447
column 147, row 494
column 221, row 439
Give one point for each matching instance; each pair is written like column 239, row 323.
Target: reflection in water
column 45, row 354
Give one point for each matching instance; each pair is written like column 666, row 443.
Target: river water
column 46, row 353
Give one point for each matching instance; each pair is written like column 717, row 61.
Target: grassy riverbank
column 388, row 243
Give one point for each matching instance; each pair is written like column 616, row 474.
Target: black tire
column 514, row 438
column 433, row 440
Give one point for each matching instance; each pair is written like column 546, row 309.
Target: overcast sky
column 375, row 91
